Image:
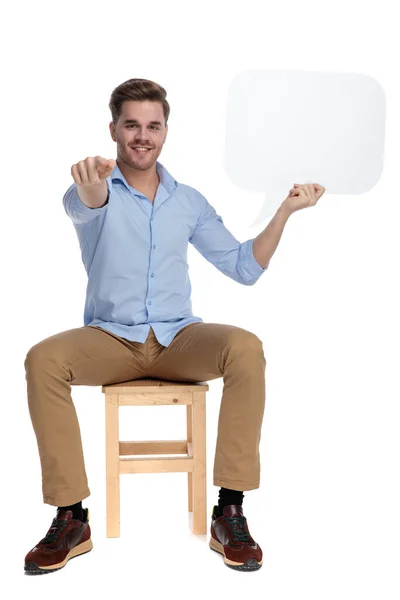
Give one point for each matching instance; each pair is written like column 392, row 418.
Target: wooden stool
column 150, row 392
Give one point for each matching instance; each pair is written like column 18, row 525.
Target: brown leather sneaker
column 66, row 538
column 231, row 537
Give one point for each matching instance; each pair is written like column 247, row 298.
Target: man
column 134, row 222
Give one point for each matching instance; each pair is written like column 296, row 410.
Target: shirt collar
column 166, row 179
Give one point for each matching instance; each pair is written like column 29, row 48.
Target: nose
column 141, row 132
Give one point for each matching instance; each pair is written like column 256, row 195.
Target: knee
column 255, row 346
column 243, row 340
column 36, row 355
column 30, row 357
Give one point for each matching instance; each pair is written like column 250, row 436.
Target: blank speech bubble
column 286, row 127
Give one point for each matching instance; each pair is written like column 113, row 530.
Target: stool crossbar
column 150, row 392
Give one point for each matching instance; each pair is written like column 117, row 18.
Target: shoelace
column 239, row 532
column 55, row 529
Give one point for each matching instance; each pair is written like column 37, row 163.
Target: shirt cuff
column 77, row 210
column 252, row 270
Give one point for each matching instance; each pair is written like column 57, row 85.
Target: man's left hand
column 301, row 196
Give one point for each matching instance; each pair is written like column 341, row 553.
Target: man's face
column 141, row 124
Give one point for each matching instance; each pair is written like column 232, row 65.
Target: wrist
column 285, row 210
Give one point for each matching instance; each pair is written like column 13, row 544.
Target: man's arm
column 95, row 196
column 77, row 210
column 89, row 195
column 265, row 244
column 217, row 244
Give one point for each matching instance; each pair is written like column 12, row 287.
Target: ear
column 112, row 131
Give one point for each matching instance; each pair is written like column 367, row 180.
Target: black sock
column 77, row 510
column 227, row 497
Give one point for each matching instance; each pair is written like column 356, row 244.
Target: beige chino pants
column 92, row 356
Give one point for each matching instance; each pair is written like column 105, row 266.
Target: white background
column 327, row 511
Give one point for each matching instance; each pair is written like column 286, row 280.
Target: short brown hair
column 137, row 89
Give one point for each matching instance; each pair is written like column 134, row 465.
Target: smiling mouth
column 141, row 149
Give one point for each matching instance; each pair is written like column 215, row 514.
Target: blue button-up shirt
column 135, row 255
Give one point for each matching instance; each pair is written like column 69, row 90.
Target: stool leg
column 112, row 466
column 199, row 454
column 189, row 436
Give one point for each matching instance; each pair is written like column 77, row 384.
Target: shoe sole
column 32, row 568
column 250, row 565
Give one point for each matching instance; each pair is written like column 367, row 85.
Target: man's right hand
column 92, row 170
column 90, row 177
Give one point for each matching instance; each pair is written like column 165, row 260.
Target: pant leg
column 83, row 356
column 205, row 351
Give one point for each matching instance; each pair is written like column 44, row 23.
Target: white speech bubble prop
column 286, row 127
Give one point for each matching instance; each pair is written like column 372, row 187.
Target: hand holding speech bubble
column 307, row 127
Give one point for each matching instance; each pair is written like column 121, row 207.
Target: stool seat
column 151, row 392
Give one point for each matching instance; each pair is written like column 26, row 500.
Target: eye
column 152, row 126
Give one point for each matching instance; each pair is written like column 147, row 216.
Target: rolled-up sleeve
column 77, row 210
column 217, row 244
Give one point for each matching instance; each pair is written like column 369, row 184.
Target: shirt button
column 149, row 301
column 154, row 245
column 152, row 274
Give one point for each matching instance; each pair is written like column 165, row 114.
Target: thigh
column 201, row 351
column 88, row 356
